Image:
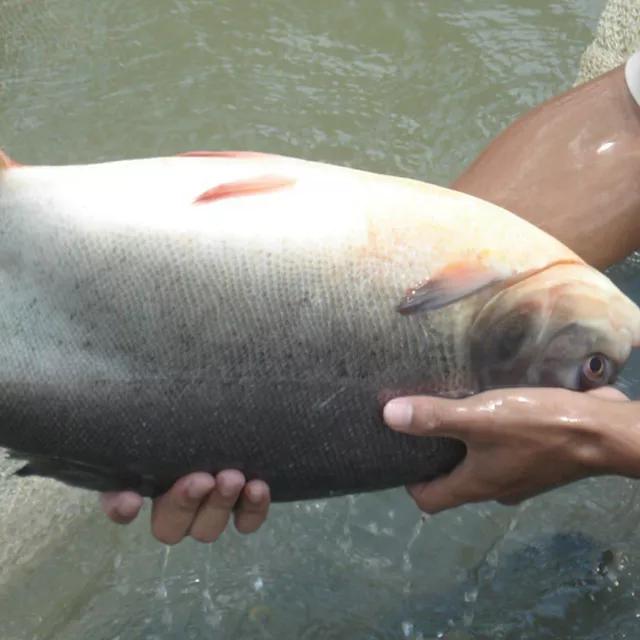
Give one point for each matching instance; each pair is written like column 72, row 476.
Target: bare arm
column 572, row 167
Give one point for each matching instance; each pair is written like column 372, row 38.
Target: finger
column 214, row 513
column 253, row 508
column 447, row 492
column 174, row 512
column 121, row 507
column 512, row 500
column 608, row 393
column 486, row 414
column 424, row 416
column 515, row 498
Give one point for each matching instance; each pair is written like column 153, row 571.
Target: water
column 414, row 88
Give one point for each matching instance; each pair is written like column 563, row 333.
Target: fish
column 237, row 309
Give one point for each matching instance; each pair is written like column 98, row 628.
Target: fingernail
column 226, row 489
column 398, row 414
column 196, row 490
column 253, row 494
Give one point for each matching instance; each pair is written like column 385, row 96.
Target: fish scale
column 230, row 310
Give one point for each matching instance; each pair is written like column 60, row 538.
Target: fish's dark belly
column 132, row 357
column 305, row 439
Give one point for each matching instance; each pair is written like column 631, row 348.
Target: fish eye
column 595, row 371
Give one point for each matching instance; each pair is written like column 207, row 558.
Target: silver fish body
column 254, row 312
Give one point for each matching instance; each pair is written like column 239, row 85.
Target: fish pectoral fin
column 85, row 476
column 454, row 282
column 254, row 186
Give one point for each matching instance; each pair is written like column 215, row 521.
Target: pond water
column 414, row 88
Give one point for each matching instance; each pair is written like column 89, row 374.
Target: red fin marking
column 225, row 154
column 455, row 282
column 254, row 186
column 6, row 162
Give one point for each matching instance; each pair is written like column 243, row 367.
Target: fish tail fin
column 6, row 162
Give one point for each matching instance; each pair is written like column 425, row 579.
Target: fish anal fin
column 87, row 476
column 453, row 283
column 253, row 186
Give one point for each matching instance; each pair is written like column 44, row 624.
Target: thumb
column 608, row 393
column 429, row 416
column 121, row 507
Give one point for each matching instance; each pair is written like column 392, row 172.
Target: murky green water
column 414, row 88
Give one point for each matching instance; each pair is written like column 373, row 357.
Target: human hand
column 521, row 442
column 198, row 505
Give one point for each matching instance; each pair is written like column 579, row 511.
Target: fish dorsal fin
column 225, row 154
column 248, row 187
column 451, row 284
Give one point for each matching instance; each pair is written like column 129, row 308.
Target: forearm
column 572, row 167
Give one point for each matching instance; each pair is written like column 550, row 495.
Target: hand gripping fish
column 242, row 310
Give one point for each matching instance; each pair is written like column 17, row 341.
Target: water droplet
column 372, row 527
column 407, row 629
column 167, row 617
column 471, row 595
column 406, row 562
column 492, row 558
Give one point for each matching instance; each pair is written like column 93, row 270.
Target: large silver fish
column 242, row 310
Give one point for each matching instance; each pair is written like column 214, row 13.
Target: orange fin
column 454, row 282
column 6, row 162
column 224, row 154
column 254, row 186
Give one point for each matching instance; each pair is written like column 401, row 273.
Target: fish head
column 565, row 326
